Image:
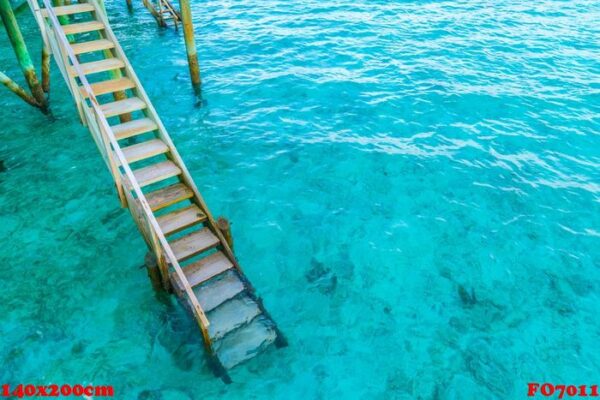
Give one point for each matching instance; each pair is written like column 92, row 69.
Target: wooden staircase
column 162, row 11
column 194, row 258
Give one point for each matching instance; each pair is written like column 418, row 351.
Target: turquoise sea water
column 374, row 158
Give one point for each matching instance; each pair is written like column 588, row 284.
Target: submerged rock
column 468, row 299
column 321, row 277
column 166, row 394
column 2, row 166
column 489, row 367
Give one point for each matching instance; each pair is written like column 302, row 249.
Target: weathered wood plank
column 147, row 149
column 82, row 27
column 207, row 268
column 168, row 196
column 92, row 45
column 122, row 106
column 156, row 173
column 194, row 243
column 70, row 9
column 99, row 66
column 133, row 128
column 109, row 86
column 180, row 219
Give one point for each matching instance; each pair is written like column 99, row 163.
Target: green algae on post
column 20, row 48
column 190, row 43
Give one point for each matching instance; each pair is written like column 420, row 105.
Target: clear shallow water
column 372, row 156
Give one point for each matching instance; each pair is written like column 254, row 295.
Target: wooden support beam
column 190, row 43
column 157, row 16
column 23, row 57
column 115, row 73
column 225, row 229
column 18, row 90
column 21, row 7
column 45, row 69
column 64, row 19
column 153, row 271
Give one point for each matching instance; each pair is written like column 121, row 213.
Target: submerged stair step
column 194, row 243
column 70, row 9
column 82, row 27
column 147, row 149
column 109, row 86
column 122, row 107
column 207, row 268
column 93, row 45
column 246, row 342
column 169, row 195
column 98, row 66
column 180, row 219
column 217, row 291
column 231, row 315
column 156, row 173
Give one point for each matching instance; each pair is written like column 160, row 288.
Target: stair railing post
column 114, row 167
column 163, row 266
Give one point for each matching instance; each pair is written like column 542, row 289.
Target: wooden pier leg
column 190, row 43
column 153, row 271
column 20, row 48
column 63, row 19
column 45, row 69
column 225, row 229
column 129, row 5
column 115, row 74
column 157, row 16
column 16, row 89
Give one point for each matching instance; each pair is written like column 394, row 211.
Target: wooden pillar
column 45, row 69
column 225, row 229
column 157, row 16
column 115, row 73
column 63, row 19
column 20, row 48
column 16, row 89
column 190, row 43
column 153, row 271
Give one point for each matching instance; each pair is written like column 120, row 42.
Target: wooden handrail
column 164, row 136
column 132, row 181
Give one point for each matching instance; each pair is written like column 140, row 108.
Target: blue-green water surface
column 374, row 157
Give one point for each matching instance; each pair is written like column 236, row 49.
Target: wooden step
column 109, row 86
column 231, row 315
column 133, row 128
column 122, row 107
column 82, row 27
column 219, row 290
column 71, row 9
column 181, row 219
column 141, row 151
column 156, row 173
column 99, row 66
column 208, row 267
column 169, row 195
column 194, row 243
column 246, row 342
column 93, row 45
